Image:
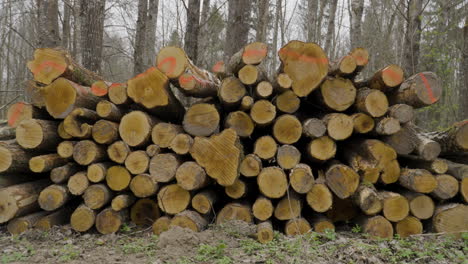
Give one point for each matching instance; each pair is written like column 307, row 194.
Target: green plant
column 140, row 246
column 213, row 254
column 356, row 229
column 125, row 228
column 329, row 234
column 68, row 253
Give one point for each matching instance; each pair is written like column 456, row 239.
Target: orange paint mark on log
column 217, row 67
column 361, row 60
column 98, row 91
column 47, row 66
column 255, row 52
column 303, row 57
column 393, row 74
column 430, row 93
column 171, row 61
column 185, row 80
column 16, row 114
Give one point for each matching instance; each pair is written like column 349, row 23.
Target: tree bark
column 238, row 25
column 331, row 27
column 357, row 8
column 463, row 103
column 140, row 38
column 263, row 20
column 411, row 44
column 193, row 28
column 92, row 31
column 312, row 6
column 47, row 24
column 150, row 48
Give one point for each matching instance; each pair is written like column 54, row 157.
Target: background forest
column 120, row 38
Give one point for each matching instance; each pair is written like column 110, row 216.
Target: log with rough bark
column 301, row 178
column 109, row 221
column 237, row 190
column 189, row 219
column 97, row 195
column 63, row 173
column 437, row 166
column 191, row 176
column 404, row 141
column 386, row 79
column 272, row 182
column 241, row 123
column 402, row 112
column 263, row 112
column 342, row 180
column 287, row 129
column 421, row 206
column 252, row 54
column 137, row 162
column 161, row 225
column 96, row 172
column 321, row 149
column 386, row 126
column 83, row 218
column 144, row 185
column 297, row 226
column 368, row 200
column 418, row 180
column 118, row 151
column 339, row 126
column 372, row 102
column 287, row 102
column 201, row 120
column 235, row 211
column 262, row 208
column 447, row 187
column 288, row 156
column 22, row 224
column 265, row 232
column 122, row 201
column 45, row 163
column 105, row 132
column 452, row 140
column 319, row 198
column 420, row 90
column 78, row 183
column 167, row 201
column 118, row 94
column 231, row 92
column 250, row 166
column 54, row 197
column 181, row 144
column 204, row 201
column 79, row 123
column 21, row 111
column 336, row 94
column 426, row 148
column 306, row 64
column 450, row 218
column 376, row 226
column 163, row 166
column 345, row 66
column 37, row 134
column 109, row 111
column 289, row 207
column 87, row 152
column 57, row 218
column 408, row 227
column 13, row 158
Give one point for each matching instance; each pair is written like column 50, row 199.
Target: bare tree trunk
column 202, row 37
column 140, row 38
column 48, row 29
column 237, row 27
column 76, row 30
column 312, row 6
column 357, row 9
column 275, row 32
column 66, row 25
column 318, row 28
column 92, row 31
column 331, row 27
column 263, row 19
column 192, row 30
column 150, row 47
column 412, row 37
column 464, row 90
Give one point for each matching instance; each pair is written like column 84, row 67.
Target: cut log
column 86, row 152
column 263, row 90
column 238, row 190
column 135, row 128
column 450, row 218
column 339, row 126
column 336, row 94
column 246, row 103
column 437, row 166
column 421, row 206
column 151, row 90
column 105, row 132
column 54, row 197
column 265, row 232
column 79, row 122
column 37, row 134
column 191, row 176
column 452, row 140
column 172, row 199
column 282, row 82
column 109, row 111
column 65, row 149
column 306, row 64
column 181, row 144
column 220, row 156
column 313, row 128
column 163, row 134
column 22, row 224
column 368, row 200
column 189, row 219
column 251, row 74
column 289, row 207
column 418, row 180
column 62, row 96
column 49, row 64
column 376, row 226
column 97, row 196
column 272, row 182
column 402, row 112
column 262, row 208
column 297, row 226
column 161, row 225
column 137, row 162
column 408, row 227
column 420, row 90
column 195, row 85
column 122, row 201
column 204, row 201
column 301, row 178
column 371, row 102
column 447, row 187
column 231, row 92
column 78, row 183
column 62, row 133
column 234, row 211
column 403, row 141
column 342, row 180
column 164, row 166
column 63, row 173
column 241, row 123
column 250, row 166
column 118, row 94
column 386, row 126
column 319, row 198
column 45, row 163
column 322, row 224
column 265, row 147
column 57, row 218
column 387, row 78
column 118, row 178
column 345, row 66
column 97, row 172
column 321, row 149
column 100, row 88
column 83, row 218
column 287, row 102
column 288, row 156
column 361, row 55
column 363, row 123
column 21, row 111
column 426, row 148
column 109, row 221
column 287, row 129
column 7, row 180
column 118, row 151
column 457, row 170
column 144, row 185
column 395, row 206
column 252, row 54
column 13, row 158
column 263, row 112
column 7, row 133
column 21, row 199
column 144, row 212
column 201, row 120
column 153, row 149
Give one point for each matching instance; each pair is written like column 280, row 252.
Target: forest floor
column 230, row 243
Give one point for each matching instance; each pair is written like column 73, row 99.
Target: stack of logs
column 306, row 149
